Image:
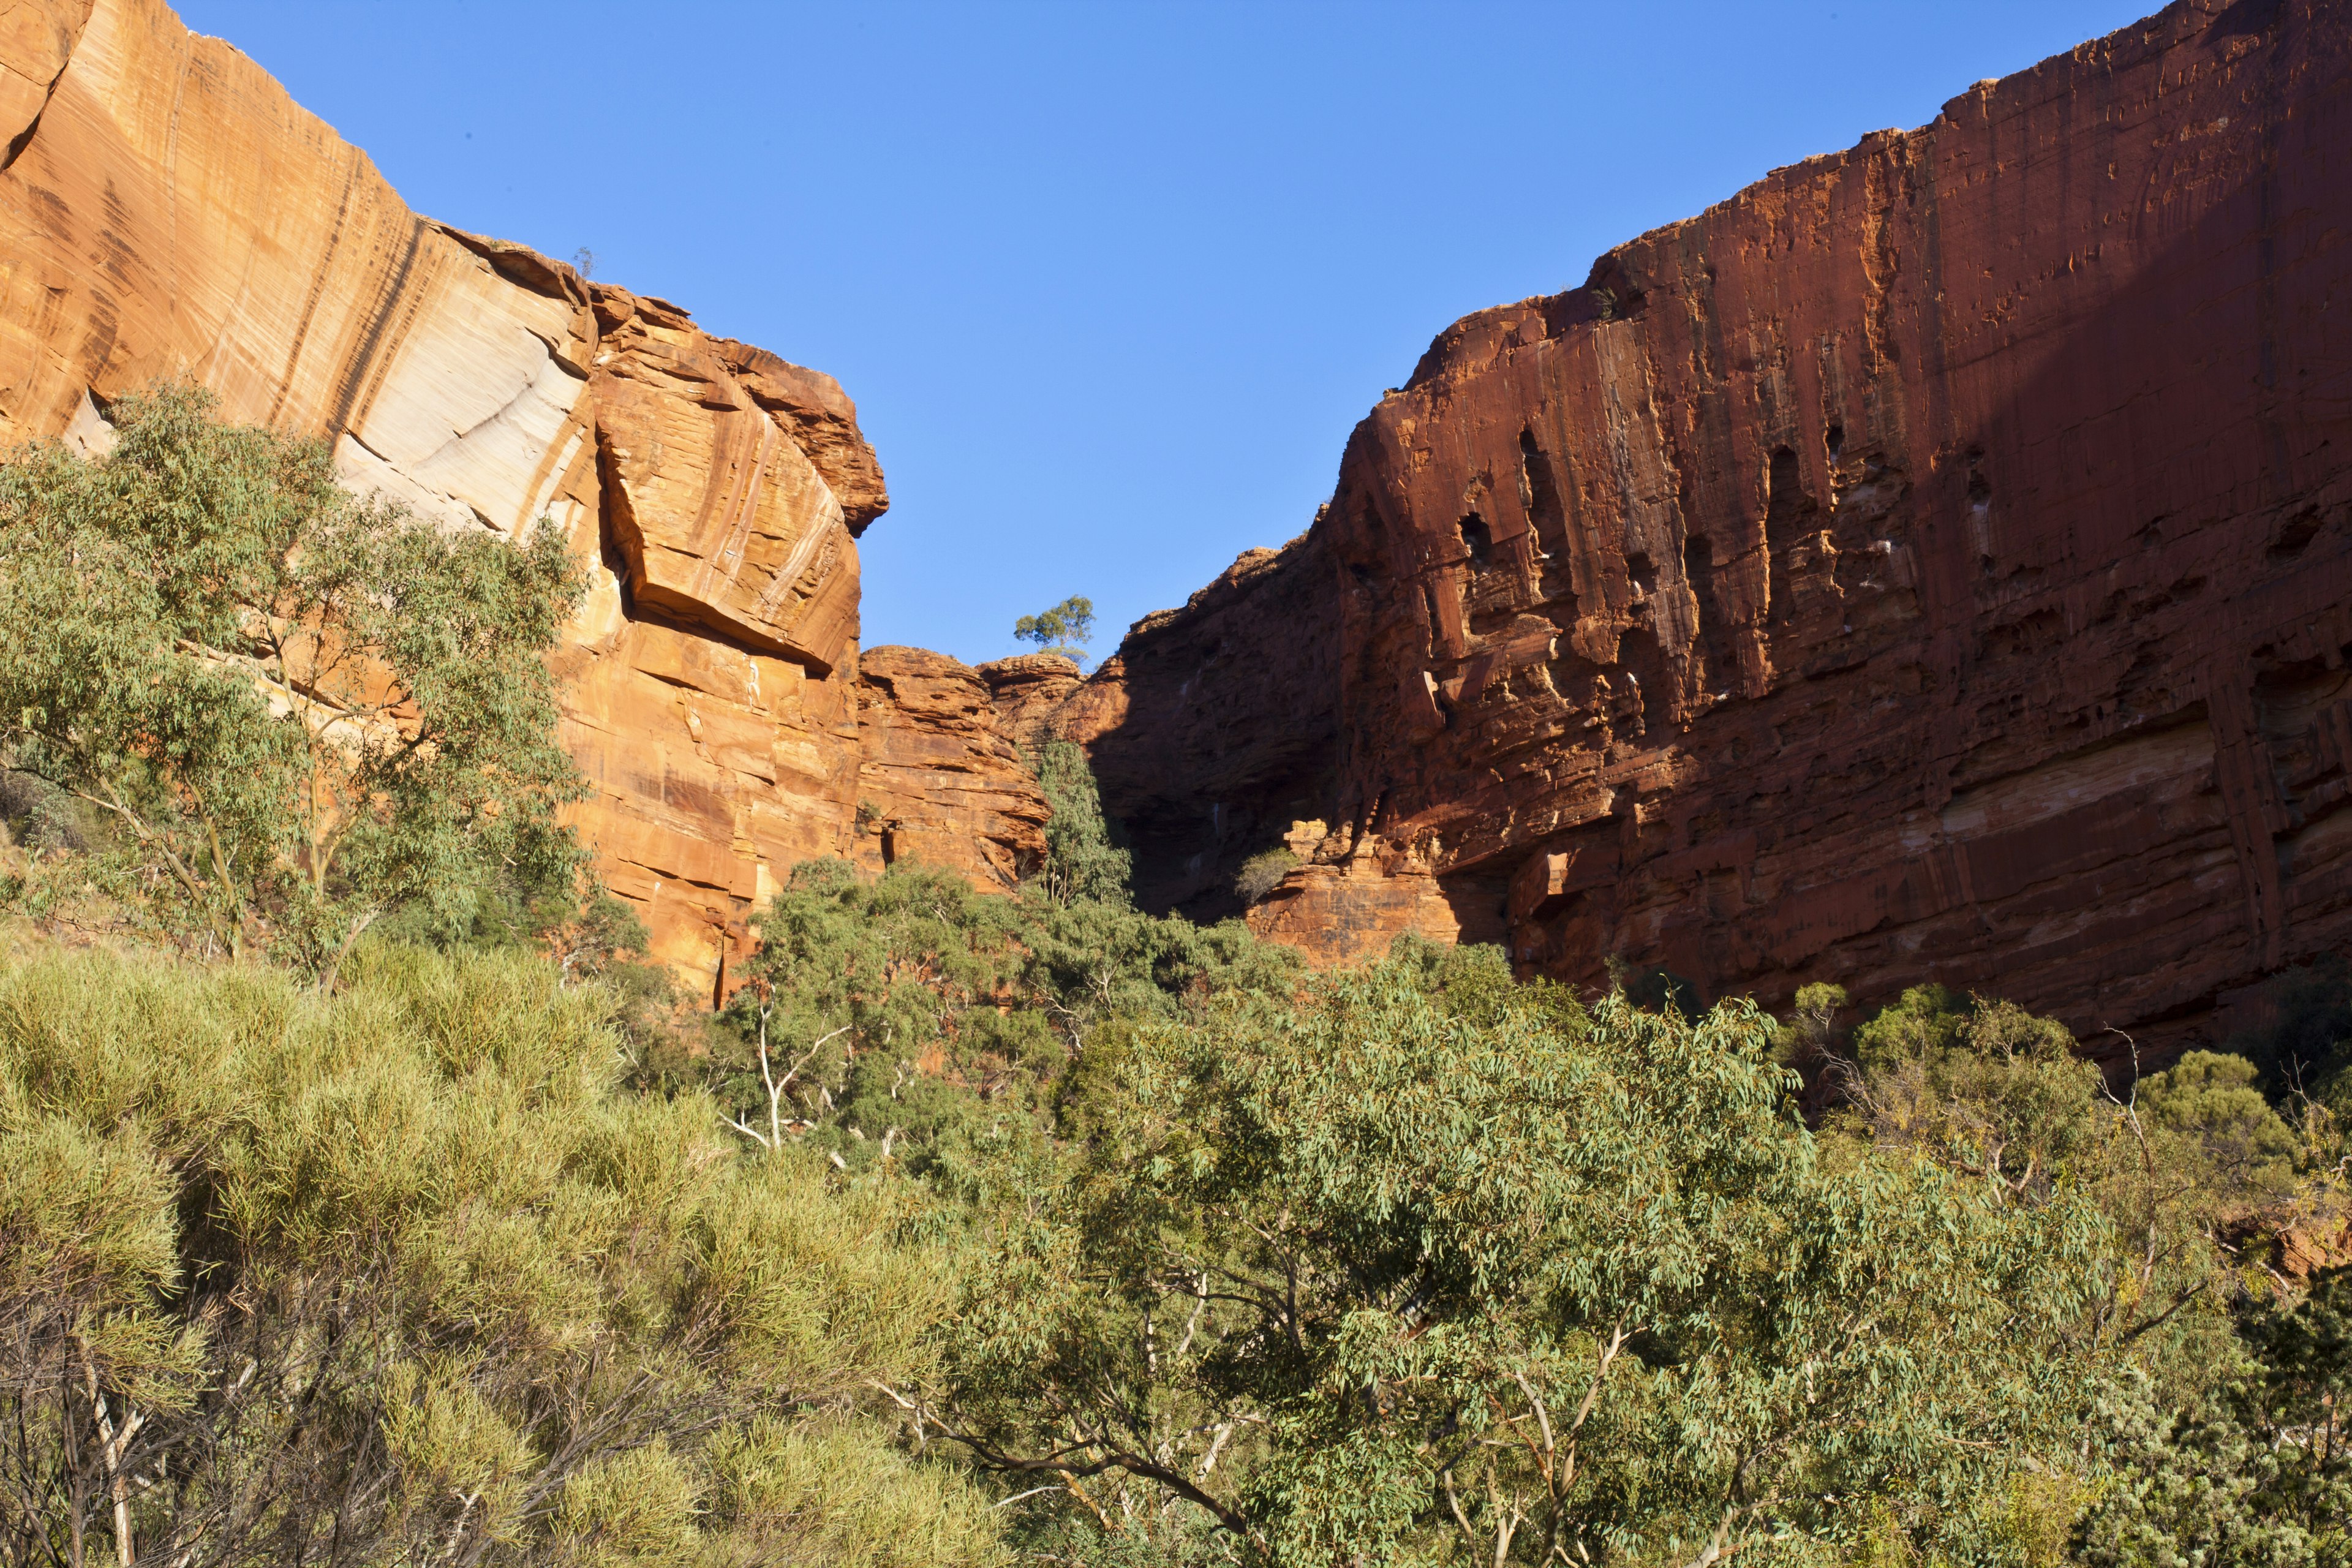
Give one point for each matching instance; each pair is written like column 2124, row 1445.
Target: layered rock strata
column 1934, row 561
column 167, row 210
column 1027, row 692
column 940, row 781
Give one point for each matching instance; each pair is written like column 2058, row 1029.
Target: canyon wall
column 1933, row 562
column 1211, row 730
column 167, row 210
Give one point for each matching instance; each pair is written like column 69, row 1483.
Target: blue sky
column 1110, row 282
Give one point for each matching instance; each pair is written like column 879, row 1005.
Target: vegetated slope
column 987, row 1228
column 166, row 209
column 1931, row 563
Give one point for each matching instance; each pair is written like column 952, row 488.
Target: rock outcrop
column 166, row 209
column 1027, row 692
column 941, row 782
column 1934, row 561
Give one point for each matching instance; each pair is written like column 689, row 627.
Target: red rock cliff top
column 1934, row 562
column 165, row 208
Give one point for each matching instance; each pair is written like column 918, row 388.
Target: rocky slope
column 1934, row 561
column 165, row 209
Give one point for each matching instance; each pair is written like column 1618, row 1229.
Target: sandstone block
column 1028, row 691
column 942, row 783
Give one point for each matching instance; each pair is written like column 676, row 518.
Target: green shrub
column 2254, row 1472
column 894, row 1011
column 400, row 1275
column 290, row 710
column 1087, row 859
column 1262, row 872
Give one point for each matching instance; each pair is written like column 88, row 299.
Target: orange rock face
column 1934, row 561
column 165, row 209
column 720, row 519
column 942, row 783
column 1353, row 912
column 1027, row 692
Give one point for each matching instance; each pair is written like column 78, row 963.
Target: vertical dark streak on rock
column 361, row 372
column 351, row 164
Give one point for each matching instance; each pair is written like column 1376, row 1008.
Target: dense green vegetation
column 400, row 1275
column 988, row 1230
column 274, row 713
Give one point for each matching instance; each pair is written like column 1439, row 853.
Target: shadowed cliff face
column 1933, row 562
column 165, row 209
column 1213, row 728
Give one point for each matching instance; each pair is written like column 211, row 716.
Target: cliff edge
column 1933, row 562
column 166, row 209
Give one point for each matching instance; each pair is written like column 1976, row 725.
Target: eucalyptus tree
column 1423, row 1265
column 284, row 709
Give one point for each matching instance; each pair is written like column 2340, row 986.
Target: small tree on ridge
column 1064, row 629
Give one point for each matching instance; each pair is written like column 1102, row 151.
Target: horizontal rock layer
column 1934, row 561
column 166, row 209
column 941, row 782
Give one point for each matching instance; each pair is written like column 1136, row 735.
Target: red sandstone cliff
column 166, row 209
column 1934, row 562
column 941, row 782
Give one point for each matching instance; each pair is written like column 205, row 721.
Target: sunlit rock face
column 1933, row 562
column 942, row 782
column 166, row 209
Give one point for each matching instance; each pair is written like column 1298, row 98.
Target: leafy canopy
column 1425, row 1263
column 2212, row 1434
column 287, row 709
column 405, row 1275
column 1064, row 629
column 2254, row 1470
column 2001, row 1097
column 891, row 1011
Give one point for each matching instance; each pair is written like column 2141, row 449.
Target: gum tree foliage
column 1426, row 1266
column 2001, row 1097
column 398, row 1276
column 2254, row 1473
column 1064, row 629
column 2214, row 1436
column 888, row 1011
column 1086, row 858
column 1985, row 1088
column 291, row 709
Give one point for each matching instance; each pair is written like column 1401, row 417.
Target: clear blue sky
column 1110, row 282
